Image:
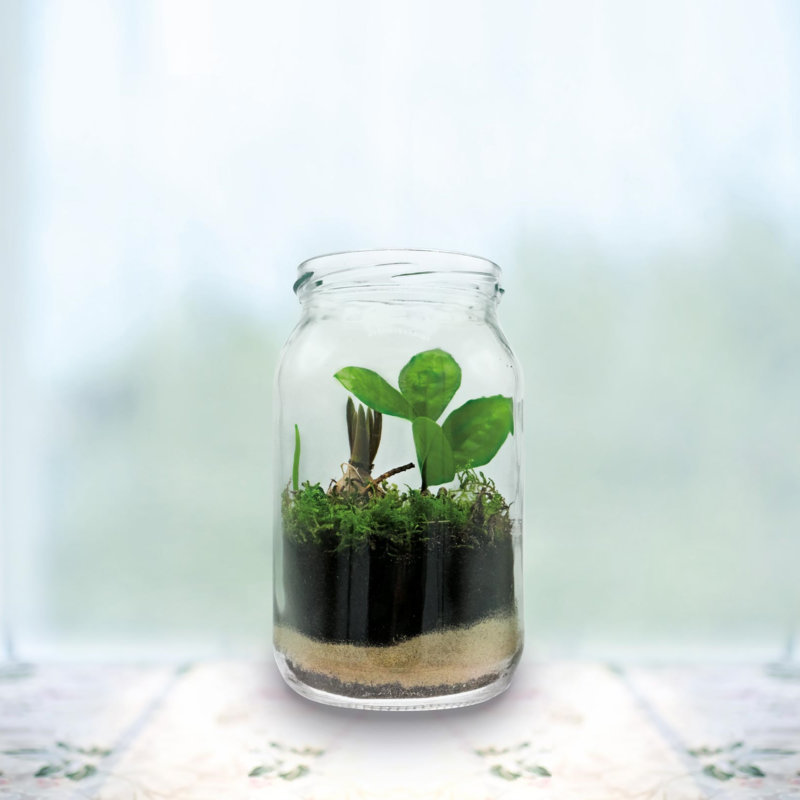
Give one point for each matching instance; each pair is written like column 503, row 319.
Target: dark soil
column 374, row 594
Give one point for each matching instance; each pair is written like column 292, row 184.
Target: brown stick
column 382, row 478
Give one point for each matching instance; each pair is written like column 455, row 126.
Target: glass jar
column 398, row 450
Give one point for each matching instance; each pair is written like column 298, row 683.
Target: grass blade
column 296, row 462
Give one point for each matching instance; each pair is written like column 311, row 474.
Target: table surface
column 227, row 730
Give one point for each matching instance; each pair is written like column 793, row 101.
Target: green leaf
column 87, row 751
column 752, row 769
column 296, row 460
column 505, row 774
column 705, row 751
column 49, row 769
column 307, row 751
column 94, row 751
column 477, row 430
column 258, row 771
column 434, row 455
column 297, row 772
column 374, row 391
column 492, row 751
column 429, row 381
column 715, row 772
column 359, row 454
column 539, row 770
column 86, row 771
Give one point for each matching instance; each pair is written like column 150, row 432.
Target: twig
column 382, row 478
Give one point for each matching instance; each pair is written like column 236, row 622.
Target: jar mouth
column 396, row 268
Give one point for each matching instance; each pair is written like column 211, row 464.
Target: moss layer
column 471, row 515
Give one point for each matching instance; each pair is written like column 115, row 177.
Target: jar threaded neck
column 420, row 275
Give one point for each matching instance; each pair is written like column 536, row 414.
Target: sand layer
column 443, row 662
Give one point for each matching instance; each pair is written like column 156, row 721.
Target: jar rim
column 377, row 261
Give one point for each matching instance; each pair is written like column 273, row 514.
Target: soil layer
column 376, row 594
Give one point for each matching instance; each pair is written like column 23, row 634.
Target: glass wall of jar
column 398, row 532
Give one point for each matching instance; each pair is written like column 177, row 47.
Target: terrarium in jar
column 398, row 537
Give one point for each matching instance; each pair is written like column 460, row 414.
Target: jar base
column 392, row 697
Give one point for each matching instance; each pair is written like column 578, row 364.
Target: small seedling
column 364, row 435
column 470, row 436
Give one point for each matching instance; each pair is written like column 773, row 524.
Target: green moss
column 469, row 516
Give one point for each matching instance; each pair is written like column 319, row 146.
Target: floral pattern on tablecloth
column 234, row 730
column 739, row 727
column 60, row 725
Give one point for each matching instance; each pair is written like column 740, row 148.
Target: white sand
column 456, row 656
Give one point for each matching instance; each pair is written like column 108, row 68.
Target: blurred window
column 635, row 168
